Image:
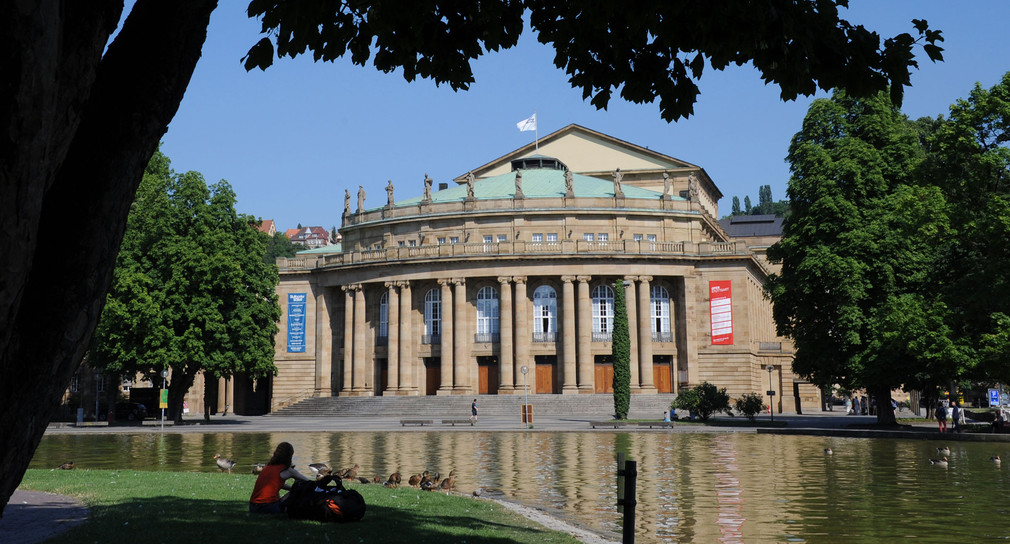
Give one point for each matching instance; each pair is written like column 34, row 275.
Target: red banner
column 720, row 294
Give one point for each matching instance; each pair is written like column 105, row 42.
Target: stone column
column 523, row 336
column 407, row 359
column 567, row 329
column 506, row 369
column 222, row 395
column 392, row 338
column 324, row 346
column 358, row 372
column 462, row 339
column 645, row 334
column 345, row 382
column 633, row 328
column 445, row 387
column 585, row 337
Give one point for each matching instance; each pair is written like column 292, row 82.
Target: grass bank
column 179, row 507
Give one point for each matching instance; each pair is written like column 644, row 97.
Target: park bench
column 455, row 422
column 651, row 424
column 421, row 422
column 609, row 423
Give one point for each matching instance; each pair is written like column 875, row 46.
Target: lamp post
column 526, row 395
column 771, row 393
column 164, row 374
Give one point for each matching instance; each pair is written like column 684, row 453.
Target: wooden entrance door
column 487, row 377
column 604, row 376
column 661, row 375
column 545, row 378
column 432, row 375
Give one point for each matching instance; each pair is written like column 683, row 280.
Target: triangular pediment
column 587, row 152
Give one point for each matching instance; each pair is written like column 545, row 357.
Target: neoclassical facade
column 504, row 279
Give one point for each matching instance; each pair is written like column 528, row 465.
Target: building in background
column 457, row 291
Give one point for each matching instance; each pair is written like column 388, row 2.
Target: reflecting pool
column 692, row 487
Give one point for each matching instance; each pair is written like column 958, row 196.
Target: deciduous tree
column 190, row 292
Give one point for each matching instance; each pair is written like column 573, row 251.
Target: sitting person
column 266, row 497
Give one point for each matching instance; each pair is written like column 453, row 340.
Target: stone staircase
column 598, row 406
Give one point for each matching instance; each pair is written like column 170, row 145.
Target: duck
column 66, row 466
column 320, row 470
column 449, row 482
column 224, row 464
column 995, row 459
column 363, row 480
column 415, row 479
column 429, row 485
column 258, row 467
column 939, row 462
column 393, row 480
column 945, row 450
column 827, row 451
column 478, row 492
column 349, row 473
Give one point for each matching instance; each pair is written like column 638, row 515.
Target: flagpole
column 536, row 131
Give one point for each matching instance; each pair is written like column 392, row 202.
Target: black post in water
column 629, row 502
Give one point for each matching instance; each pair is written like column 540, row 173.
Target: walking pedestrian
column 957, row 416
column 473, row 411
column 941, row 416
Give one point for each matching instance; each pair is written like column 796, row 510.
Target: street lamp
column 164, row 374
column 526, row 407
column 771, row 393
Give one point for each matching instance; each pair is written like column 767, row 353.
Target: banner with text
column 296, row 322
column 721, row 309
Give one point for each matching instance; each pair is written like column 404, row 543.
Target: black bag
column 322, row 502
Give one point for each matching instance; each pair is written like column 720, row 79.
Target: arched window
column 384, row 315
column 661, row 314
column 487, row 315
column 545, row 314
column 432, row 316
column 603, row 313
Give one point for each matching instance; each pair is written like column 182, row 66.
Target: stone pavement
column 33, row 517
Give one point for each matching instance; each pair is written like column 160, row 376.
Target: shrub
column 704, row 400
column 750, row 404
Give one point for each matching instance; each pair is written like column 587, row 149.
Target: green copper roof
column 537, row 183
column 332, row 248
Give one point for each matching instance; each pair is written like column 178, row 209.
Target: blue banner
column 296, row 322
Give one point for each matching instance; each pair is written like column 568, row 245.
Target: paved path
column 33, row 517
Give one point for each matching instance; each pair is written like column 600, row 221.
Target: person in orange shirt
column 266, row 497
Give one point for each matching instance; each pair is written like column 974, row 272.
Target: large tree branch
column 139, row 85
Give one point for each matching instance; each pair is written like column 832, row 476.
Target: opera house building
column 456, row 288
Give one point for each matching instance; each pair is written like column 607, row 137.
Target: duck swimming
column 939, row 462
column 945, row 450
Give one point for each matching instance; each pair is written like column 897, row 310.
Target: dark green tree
column 85, row 145
column 764, row 200
column 969, row 161
column 746, row 205
column 279, row 245
column 736, row 206
column 703, row 401
column 857, row 248
column 190, row 292
column 621, row 351
column 334, row 236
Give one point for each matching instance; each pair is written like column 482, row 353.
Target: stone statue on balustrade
column 427, row 189
column 361, row 198
column 389, row 193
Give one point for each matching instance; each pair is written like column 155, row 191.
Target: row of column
column 457, row 369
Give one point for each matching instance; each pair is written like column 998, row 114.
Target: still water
column 692, row 487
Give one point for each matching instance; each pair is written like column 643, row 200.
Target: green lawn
column 180, row 507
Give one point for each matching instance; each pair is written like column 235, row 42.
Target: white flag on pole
column 528, row 124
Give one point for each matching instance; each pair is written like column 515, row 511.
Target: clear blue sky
column 291, row 139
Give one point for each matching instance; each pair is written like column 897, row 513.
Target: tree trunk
column 885, row 414
column 78, row 130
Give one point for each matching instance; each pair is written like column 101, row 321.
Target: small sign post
column 994, row 397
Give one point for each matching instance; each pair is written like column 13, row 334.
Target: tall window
column 487, row 315
column 432, row 316
column 552, row 237
column 603, row 313
column 587, row 236
column 545, row 314
column 661, row 314
column 384, row 315
column 603, row 237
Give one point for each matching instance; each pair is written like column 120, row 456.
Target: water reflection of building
column 455, row 291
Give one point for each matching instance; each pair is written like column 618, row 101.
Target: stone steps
column 597, row 405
